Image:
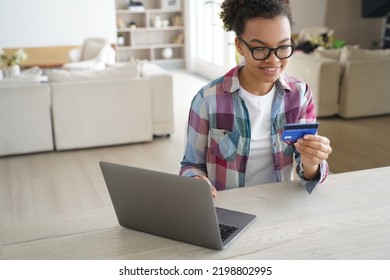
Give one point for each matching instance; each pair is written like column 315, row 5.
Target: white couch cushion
column 359, row 54
column 328, row 53
column 25, row 119
column 85, row 65
column 125, row 71
column 355, row 54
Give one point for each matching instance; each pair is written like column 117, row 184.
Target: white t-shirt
column 260, row 167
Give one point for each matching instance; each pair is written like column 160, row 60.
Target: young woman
column 236, row 121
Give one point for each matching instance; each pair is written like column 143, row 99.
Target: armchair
column 323, row 77
column 94, row 54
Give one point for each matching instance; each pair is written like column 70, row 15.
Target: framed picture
column 170, row 4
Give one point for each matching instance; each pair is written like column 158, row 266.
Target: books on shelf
column 136, row 6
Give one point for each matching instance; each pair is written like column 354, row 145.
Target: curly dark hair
column 236, row 13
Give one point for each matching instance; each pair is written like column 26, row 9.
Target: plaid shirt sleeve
column 300, row 112
column 194, row 161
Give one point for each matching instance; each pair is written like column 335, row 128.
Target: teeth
column 270, row 69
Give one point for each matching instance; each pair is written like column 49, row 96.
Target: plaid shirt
column 219, row 132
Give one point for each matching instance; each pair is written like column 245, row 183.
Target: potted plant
column 10, row 64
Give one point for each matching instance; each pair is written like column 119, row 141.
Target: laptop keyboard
column 226, row 231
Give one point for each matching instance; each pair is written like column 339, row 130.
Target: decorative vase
column 165, row 23
column 12, row 71
column 157, row 22
column 167, row 53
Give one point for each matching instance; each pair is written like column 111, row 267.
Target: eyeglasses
column 262, row 53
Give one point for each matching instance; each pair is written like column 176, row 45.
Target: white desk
column 347, row 217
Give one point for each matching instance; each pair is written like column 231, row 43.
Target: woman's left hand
column 314, row 149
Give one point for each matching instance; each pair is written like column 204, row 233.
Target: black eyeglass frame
column 274, row 50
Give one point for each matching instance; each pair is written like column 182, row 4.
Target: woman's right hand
column 213, row 190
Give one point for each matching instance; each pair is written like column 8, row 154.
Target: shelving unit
column 145, row 37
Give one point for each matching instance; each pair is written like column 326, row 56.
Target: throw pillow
column 107, row 55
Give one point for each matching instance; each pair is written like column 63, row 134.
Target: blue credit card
column 292, row 132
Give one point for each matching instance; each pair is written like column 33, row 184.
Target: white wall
column 308, row 13
column 44, row 23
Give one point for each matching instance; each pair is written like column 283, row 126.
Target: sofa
column 350, row 82
column 126, row 103
column 161, row 85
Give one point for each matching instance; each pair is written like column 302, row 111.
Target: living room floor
column 68, row 182
column 357, row 144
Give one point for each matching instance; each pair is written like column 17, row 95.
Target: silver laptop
column 171, row 206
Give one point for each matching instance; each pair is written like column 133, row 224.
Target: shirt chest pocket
column 223, row 144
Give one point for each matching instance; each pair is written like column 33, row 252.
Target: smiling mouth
column 270, row 69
